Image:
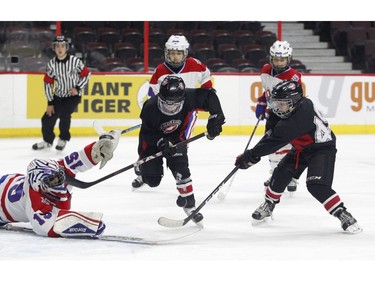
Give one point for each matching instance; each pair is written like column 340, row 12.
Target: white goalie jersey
column 48, row 217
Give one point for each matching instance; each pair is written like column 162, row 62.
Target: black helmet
column 60, row 39
column 171, row 95
column 285, row 97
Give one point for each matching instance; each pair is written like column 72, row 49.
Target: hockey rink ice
column 303, row 242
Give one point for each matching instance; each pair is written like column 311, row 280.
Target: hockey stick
column 163, row 221
column 131, row 129
column 110, row 238
column 177, row 223
column 100, row 129
column 223, row 194
column 81, row 184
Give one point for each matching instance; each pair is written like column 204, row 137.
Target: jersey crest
column 170, row 126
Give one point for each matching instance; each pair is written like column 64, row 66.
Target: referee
column 65, row 78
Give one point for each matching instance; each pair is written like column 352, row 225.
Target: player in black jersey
column 66, row 77
column 164, row 121
column 294, row 119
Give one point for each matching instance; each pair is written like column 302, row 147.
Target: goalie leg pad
column 71, row 224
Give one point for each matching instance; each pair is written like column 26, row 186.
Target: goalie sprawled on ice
column 42, row 196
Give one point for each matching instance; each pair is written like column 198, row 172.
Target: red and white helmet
column 48, row 178
column 281, row 49
column 176, row 43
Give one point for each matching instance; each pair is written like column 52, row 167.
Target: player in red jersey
column 272, row 73
column 194, row 73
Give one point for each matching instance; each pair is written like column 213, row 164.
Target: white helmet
column 281, row 49
column 48, row 178
column 176, row 43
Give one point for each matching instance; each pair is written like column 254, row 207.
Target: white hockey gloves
column 103, row 149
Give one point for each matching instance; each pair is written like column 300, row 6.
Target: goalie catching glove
column 103, row 149
column 166, row 147
column 246, row 160
column 214, row 125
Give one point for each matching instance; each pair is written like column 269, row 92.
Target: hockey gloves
column 166, row 147
column 261, row 108
column 102, row 150
column 246, row 160
column 214, row 125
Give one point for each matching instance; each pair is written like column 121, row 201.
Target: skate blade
column 259, row 222
column 354, row 229
column 199, row 224
column 262, row 221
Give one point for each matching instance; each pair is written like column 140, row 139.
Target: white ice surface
column 302, row 242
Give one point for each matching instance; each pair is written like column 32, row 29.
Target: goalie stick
column 81, row 184
column 110, row 238
column 167, row 222
column 100, row 129
column 223, row 193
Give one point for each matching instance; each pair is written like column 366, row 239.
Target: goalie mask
column 48, row 178
column 280, row 55
column 285, row 97
column 176, row 50
column 171, row 95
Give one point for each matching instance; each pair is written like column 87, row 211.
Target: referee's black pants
column 64, row 107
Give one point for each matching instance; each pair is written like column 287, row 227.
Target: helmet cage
column 280, row 49
column 282, row 107
column 48, row 177
column 176, row 43
column 170, row 107
column 284, row 98
column 171, row 95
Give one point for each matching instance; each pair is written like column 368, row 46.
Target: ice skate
column 137, row 183
column 292, row 186
column 262, row 213
column 267, row 183
column 41, row 145
column 348, row 222
column 188, row 205
column 197, row 218
column 61, row 144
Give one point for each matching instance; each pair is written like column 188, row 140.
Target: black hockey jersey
column 156, row 125
column 306, row 128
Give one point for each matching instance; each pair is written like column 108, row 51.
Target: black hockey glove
column 214, row 125
column 166, row 147
column 246, row 160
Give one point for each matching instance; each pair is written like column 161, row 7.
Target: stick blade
column 166, row 222
column 99, row 129
column 221, row 196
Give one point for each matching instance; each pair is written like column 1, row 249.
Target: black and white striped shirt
column 62, row 75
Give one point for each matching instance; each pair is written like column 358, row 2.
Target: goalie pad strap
column 70, row 224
